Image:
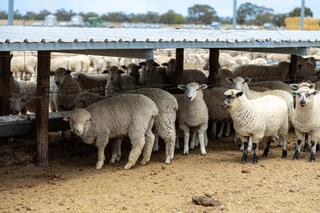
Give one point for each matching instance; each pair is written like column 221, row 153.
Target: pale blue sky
column 223, row 7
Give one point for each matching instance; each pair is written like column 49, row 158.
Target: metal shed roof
column 100, row 39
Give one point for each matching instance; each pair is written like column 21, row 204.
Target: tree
column 152, row 17
column 30, row 15
column 114, row 17
column 87, row 15
column 248, row 12
column 42, row 14
column 202, row 14
column 278, row 19
column 3, row 15
column 17, row 14
column 63, row 15
column 296, row 12
column 172, row 17
column 263, row 18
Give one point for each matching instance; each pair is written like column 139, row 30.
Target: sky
column 223, row 7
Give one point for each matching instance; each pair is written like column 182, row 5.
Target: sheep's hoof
column 118, row 158
column 204, row 153
column 305, row 147
column 186, row 152
column 167, row 161
column 112, row 161
column 128, row 165
column 312, row 157
column 244, row 158
column 284, row 153
column 144, row 162
column 255, row 159
column 99, row 164
column 296, row 155
column 265, row 152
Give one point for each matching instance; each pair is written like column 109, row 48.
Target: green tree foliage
column 248, row 13
column 278, row 19
column 115, row 17
column 3, row 15
column 296, row 12
column 42, row 14
column 89, row 14
column 64, row 15
column 30, row 15
column 17, row 15
column 172, row 17
column 202, row 14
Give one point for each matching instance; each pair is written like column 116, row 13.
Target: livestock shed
column 131, row 43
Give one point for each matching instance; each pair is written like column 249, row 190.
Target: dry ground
column 71, row 184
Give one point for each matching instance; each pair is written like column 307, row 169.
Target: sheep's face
column 149, row 66
column 171, row 66
column 304, row 96
column 79, row 121
column 115, row 74
column 306, row 65
column 238, row 83
column 230, row 98
column 60, row 75
column 16, row 104
column 193, row 90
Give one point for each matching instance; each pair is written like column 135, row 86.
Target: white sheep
column 68, row 89
column 129, row 115
column 58, row 62
column 91, row 83
column 29, row 92
column 133, row 70
column 257, row 118
column 24, row 66
column 78, row 63
column 153, row 75
column 85, row 99
column 306, row 117
column 272, row 85
column 118, row 81
column 193, row 114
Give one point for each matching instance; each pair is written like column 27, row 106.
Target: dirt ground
column 71, row 184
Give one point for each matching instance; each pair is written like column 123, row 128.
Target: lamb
column 306, row 117
column 68, row 89
column 91, row 83
column 185, row 77
column 78, row 63
column 193, row 115
column 24, row 66
column 153, row 75
column 272, row 85
column 118, row 82
column 85, row 99
column 129, row 115
column 242, row 84
column 257, row 118
column 133, row 70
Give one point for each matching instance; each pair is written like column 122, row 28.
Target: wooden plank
column 293, row 68
column 214, row 65
column 42, row 107
column 5, row 67
column 179, row 63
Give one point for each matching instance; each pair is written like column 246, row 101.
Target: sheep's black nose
column 302, row 103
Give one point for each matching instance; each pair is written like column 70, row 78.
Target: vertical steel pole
column 10, row 12
column 234, row 21
column 302, row 15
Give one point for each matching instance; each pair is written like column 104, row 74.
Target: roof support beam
column 214, row 65
column 293, row 68
column 179, row 61
column 5, row 73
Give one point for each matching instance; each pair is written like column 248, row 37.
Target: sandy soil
column 71, row 184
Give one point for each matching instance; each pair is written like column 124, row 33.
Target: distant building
column 77, row 21
column 50, row 21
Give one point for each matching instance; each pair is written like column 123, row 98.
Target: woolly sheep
column 306, row 117
column 68, row 89
column 119, row 82
column 257, row 118
column 193, row 114
column 78, row 63
column 129, row 115
column 184, row 77
column 272, row 85
column 91, row 83
column 153, row 75
column 29, row 92
column 259, row 61
column 242, row 84
column 24, row 67
column 58, row 62
column 133, row 70
column 85, row 99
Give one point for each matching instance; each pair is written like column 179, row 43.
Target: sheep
column 85, row 99
column 257, row 118
column 118, row 83
column 91, row 83
column 259, row 61
column 193, row 114
column 58, row 62
column 98, row 64
column 153, row 75
column 306, row 117
column 213, row 98
column 129, row 115
column 164, row 123
column 278, row 57
column 68, row 89
column 53, row 105
column 29, row 92
column 272, row 85
column 24, row 66
column 184, row 77
column 242, row 84
column 133, row 70
column 78, row 63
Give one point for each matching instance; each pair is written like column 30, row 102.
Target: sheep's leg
column 227, row 133
column 313, row 151
column 297, row 151
column 101, row 144
column 284, row 140
column 214, row 130
column 147, row 151
column 255, row 153
column 306, row 142
column 116, row 153
column 221, row 129
column 193, row 139
column 119, row 150
column 245, row 152
column 206, row 141
column 186, row 132
column 249, row 144
column 197, row 142
column 137, row 146
column 156, row 143
column 170, row 145
column 267, row 148
column 201, row 139
column 177, row 145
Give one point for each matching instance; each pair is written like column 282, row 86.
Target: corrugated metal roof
column 55, row 38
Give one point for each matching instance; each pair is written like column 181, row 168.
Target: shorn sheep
column 193, row 115
column 84, row 99
column 129, row 115
column 306, row 117
column 91, row 83
column 68, row 89
column 152, row 74
column 257, row 118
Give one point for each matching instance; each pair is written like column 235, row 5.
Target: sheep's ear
column 247, row 80
column 139, row 66
column 203, row 86
column 294, row 86
column 142, row 63
column 120, row 72
column 182, row 87
column 239, row 94
column 165, row 64
column 312, row 86
column 105, row 72
column 124, row 67
column 66, row 118
column 156, row 64
column 230, row 80
column 315, row 92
